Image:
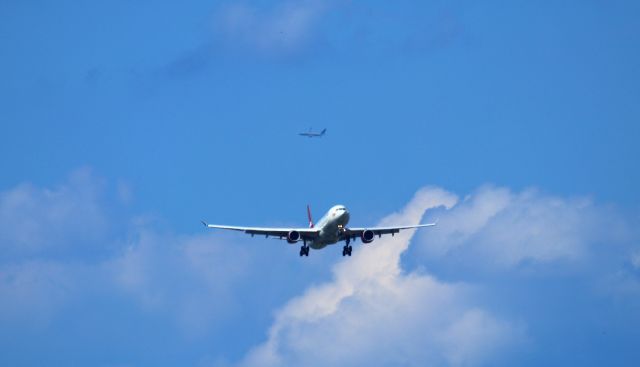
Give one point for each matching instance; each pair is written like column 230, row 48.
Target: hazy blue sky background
column 124, row 124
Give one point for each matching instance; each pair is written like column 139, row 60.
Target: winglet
column 309, row 216
column 323, row 131
column 204, row 223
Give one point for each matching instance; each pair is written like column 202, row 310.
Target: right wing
column 282, row 233
column 379, row 231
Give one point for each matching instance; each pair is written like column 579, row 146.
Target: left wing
column 379, row 231
column 282, row 233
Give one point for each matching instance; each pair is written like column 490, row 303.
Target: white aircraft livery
column 331, row 229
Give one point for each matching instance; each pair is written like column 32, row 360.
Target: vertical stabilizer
column 309, row 216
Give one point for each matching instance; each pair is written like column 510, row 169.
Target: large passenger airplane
column 312, row 134
column 331, row 229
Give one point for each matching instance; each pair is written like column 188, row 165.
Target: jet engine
column 293, row 236
column 367, row 236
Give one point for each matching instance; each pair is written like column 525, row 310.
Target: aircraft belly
column 317, row 245
column 326, row 238
column 321, row 243
column 330, row 232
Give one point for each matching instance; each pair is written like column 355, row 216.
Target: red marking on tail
column 309, row 216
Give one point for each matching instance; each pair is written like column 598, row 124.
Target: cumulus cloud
column 475, row 334
column 283, row 28
column 189, row 277
column 34, row 219
column 187, row 280
column 635, row 259
column 374, row 313
column 33, row 291
column 37, row 280
column 39, row 228
column 625, row 280
column 507, row 228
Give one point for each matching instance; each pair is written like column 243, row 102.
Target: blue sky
column 123, row 125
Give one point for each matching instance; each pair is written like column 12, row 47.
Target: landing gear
column 304, row 250
column 346, row 250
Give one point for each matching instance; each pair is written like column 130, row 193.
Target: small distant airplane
column 312, row 134
column 331, row 229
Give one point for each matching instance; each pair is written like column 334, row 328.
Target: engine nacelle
column 367, row 236
column 293, row 236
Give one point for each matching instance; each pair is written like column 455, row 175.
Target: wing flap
column 350, row 232
column 305, row 233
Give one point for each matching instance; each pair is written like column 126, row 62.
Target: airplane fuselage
column 312, row 134
column 331, row 226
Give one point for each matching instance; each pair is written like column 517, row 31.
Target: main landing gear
column 304, row 250
column 346, row 250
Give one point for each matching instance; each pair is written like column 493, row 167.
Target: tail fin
column 323, row 131
column 309, row 216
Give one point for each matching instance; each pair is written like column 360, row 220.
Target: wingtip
column 204, row 223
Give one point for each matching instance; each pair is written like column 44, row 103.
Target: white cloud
column 37, row 279
column 190, row 278
column 32, row 218
column 476, row 333
column 33, row 291
column 373, row 313
column 625, row 281
column 504, row 228
column 635, row 259
column 282, row 28
column 38, row 227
